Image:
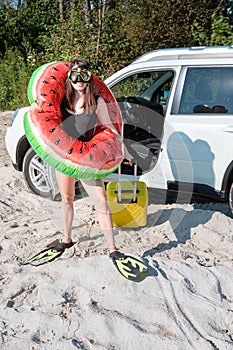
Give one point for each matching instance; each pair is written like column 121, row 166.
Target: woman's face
column 79, row 86
column 76, row 78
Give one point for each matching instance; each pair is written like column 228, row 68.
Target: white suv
column 177, row 106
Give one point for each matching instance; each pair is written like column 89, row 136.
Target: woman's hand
column 35, row 107
column 127, row 155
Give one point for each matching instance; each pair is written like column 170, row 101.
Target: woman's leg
column 67, row 190
column 96, row 191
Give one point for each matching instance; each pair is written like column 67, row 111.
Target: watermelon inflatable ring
column 94, row 159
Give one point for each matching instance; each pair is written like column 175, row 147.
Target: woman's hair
column 90, row 94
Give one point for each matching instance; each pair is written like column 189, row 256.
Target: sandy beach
column 80, row 301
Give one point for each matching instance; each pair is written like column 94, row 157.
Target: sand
column 80, row 301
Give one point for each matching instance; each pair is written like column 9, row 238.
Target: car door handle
column 228, row 129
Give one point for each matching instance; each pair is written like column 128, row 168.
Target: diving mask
column 79, row 74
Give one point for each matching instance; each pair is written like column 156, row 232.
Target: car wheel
column 36, row 173
column 231, row 197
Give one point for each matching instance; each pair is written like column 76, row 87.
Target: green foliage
column 109, row 34
column 221, row 32
column 14, row 75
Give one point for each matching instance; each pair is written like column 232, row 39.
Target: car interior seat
column 204, row 96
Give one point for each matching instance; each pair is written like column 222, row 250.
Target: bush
column 14, row 76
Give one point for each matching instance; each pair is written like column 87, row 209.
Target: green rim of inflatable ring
column 31, row 90
column 63, row 165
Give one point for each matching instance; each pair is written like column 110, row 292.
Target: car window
column 151, row 86
column 207, row 90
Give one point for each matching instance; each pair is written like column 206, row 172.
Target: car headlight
column 14, row 116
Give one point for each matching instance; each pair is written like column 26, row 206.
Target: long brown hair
column 90, row 94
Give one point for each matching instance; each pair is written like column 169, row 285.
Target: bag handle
column 119, row 187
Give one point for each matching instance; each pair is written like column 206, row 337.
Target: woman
column 82, row 111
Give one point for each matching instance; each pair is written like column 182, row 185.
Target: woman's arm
column 103, row 116
column 104, row 119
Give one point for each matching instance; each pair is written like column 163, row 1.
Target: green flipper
column 130, row 267
column 43, row 257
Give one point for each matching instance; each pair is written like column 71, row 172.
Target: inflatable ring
column 94, row 159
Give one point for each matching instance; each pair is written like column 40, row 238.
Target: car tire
column 231, row 198
column 36, row 174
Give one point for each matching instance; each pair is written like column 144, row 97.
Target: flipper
column 48, row 254
column 43, row 257
column 130, row 267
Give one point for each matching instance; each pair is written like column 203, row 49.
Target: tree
column 109, row 33
column 221, row 32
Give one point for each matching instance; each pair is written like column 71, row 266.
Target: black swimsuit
column 79, row 126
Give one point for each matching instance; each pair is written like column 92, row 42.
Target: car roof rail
column 201, row 52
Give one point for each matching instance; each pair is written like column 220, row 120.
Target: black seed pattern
column 53, row 77
column 105, row 154
column 57, row 142
column 49, row 104
column 54, row 68
column 53, row 91
column 113, row 157
column 70, row 151
column 80, row 150
column 47, row 119
column 90, row 157
column 43, row 95
column 100, row 91
column 52, row 130
column 109, row 143
column 45, row 82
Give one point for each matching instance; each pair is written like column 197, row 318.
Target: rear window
column 207, row 90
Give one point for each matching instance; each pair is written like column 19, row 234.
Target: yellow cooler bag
column 128, row 201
